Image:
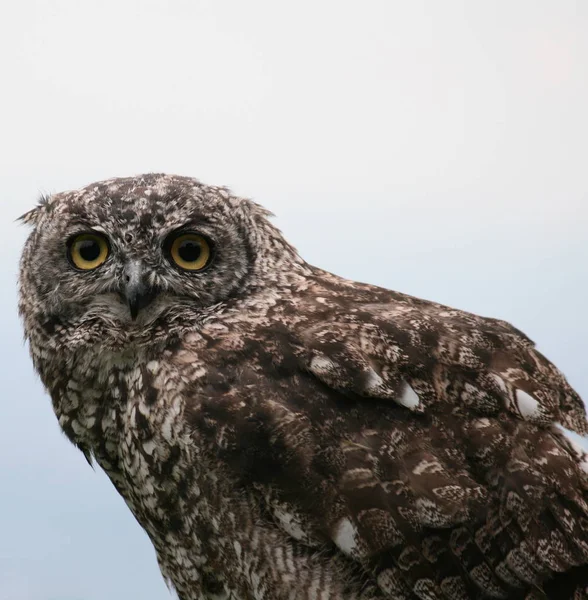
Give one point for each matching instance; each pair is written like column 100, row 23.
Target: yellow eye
column 88, row 251
column 190, row 252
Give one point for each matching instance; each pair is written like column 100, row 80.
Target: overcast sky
column 437, row 148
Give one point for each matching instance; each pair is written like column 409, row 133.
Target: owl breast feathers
column 283, row 433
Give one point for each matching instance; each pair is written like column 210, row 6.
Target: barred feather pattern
column 306, row 437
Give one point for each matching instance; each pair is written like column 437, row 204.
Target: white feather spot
column 314, row 588
column 321, row 364
column 149, row 447
column 528, row 406
column 290, row 523
column 481, row 423
column 373, row 381
column 153, row 366
column 346, row 536
column 408, row 397
column 428, row 467
column 581, row 455
column 77, row 427
column 499, row 382
column 166, row 429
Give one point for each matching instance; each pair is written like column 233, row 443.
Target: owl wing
column 427, row 357
column 419, row 441
column 471, row 487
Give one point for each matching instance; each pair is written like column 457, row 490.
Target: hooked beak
column 137, row 292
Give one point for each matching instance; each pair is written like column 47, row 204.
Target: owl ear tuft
column 259, row 210
column 32, row 216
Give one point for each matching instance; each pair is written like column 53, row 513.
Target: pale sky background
column 437, row 148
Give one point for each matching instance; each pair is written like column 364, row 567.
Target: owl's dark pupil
column 189, row 251
column 89, row 250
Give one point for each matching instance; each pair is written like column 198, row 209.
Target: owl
column 282, row 433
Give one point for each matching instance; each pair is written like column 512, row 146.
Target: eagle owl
column 282, row 433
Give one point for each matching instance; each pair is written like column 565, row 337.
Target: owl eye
column 88, row 251
column 190, row 251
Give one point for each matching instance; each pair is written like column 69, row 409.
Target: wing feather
column 420, row 440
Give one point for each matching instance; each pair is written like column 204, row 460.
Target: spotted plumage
column 282, row 433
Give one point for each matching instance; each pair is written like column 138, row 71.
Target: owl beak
column 137, row 292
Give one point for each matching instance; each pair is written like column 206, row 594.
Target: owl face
column 128, row 253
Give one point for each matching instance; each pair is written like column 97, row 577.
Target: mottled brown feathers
column 282, row 433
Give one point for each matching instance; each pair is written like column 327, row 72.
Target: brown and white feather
column 283, row 433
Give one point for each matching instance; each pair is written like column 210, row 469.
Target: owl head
column 124, row 260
